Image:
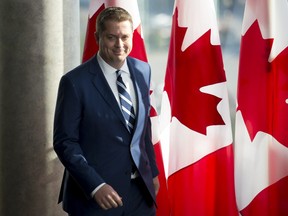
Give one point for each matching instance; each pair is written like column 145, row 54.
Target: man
column 109, row 160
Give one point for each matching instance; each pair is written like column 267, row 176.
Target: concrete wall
column 40, row 41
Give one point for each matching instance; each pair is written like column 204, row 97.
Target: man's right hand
column 107, row 197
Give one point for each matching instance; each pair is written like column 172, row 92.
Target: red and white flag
column 195, row 117
column 138, row 51
column 261, row 137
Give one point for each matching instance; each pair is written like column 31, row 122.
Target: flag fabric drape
column 138, row 51
column 195, row 120
column 261, row 141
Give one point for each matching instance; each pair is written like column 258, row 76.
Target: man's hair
column 117, row 14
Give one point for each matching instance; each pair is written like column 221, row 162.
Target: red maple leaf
column 198, row 66
column 263, row 86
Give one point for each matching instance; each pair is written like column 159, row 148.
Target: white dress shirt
column 110, row 75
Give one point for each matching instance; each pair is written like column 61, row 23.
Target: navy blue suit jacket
column 91, row 138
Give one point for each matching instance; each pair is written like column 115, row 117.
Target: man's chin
column 120, row 58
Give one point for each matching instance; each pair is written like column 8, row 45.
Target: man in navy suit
column 110, row 170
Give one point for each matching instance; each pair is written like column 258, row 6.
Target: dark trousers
column 139, row 203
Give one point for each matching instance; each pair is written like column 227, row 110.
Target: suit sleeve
column 66, row 137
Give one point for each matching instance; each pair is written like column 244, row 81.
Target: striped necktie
column 126, row 102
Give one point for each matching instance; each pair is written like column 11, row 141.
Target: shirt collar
column 108, row 69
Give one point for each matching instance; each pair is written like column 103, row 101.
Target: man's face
column 115, row 43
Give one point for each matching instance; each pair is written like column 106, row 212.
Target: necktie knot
column 118, row 73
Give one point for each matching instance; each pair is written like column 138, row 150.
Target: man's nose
column 119, row 42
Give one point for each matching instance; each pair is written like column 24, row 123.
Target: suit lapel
column 104, row 89
column 140, row 115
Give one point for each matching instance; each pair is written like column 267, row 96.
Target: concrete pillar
column 39, row 41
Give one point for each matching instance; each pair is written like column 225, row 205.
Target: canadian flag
column 138, row 51
column 261, row 131
column 195, row 118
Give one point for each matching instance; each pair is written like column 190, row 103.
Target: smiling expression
column 115, row 42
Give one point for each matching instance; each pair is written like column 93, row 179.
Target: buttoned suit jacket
column 92, row 140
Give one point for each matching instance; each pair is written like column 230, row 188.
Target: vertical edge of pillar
column 40, row 43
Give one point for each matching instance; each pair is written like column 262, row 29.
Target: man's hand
column 156, row 184
column 107, row 197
